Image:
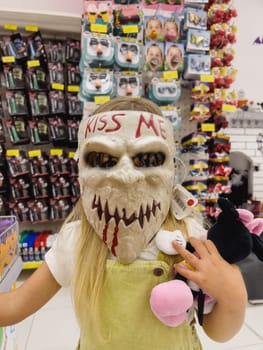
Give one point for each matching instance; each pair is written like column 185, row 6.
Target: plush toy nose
column 128, row 90
column 99, row 50
column 129, row 56
column 97, row 84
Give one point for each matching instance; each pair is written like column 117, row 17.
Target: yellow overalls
column 126, row 318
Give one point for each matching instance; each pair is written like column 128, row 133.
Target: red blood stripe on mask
column 115, row 240
column 105, row 231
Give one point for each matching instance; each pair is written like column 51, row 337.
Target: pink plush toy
column 253, row 225
column 170, row 302
column 235, row 234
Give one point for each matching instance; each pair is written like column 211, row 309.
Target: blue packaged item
column 163, row 91
column 98, row 51
column 128, row 83
column 96, row 84
column 197, row 65
column 195, row 18
column 173, row 114
column 198, row 40
column 128, row 53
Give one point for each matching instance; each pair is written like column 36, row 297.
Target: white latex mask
column 126, row 175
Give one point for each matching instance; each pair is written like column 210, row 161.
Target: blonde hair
column 91, row 252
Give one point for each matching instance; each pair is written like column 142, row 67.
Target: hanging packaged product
column 128, row 54
column 163, row 91
column 98, row 51
column 96, row 84
column 128, row 83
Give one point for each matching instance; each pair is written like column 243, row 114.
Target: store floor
column 54, row 327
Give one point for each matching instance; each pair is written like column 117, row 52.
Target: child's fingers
column 200, row 247
column 211, row 248
column 186, row 255
column 184, row 271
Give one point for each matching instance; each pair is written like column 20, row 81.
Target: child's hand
column 210, row 271
column 220, row 280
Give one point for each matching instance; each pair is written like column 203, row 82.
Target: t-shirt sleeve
column 60, row 257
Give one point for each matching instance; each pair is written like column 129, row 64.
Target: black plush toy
column 236, row 235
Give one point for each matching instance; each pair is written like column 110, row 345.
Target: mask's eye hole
column 100, row 160
column 149, row 159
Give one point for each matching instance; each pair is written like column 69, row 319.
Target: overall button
column 158, row 271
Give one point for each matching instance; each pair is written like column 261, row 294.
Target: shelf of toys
column 39, row 116
column 179, row 55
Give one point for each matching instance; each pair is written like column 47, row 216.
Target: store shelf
column 10, row 275
column 246, row 119
column 31, row 265
column 64, row 23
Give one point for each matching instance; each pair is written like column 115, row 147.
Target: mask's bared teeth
column 117, row 217
column 129, row 220
column 144, row 213
column 141, row 217
column 100, row 212
column 155, row 206
column 148, row 213
column 107, row 213
column 97, row 204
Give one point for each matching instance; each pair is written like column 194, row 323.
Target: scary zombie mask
column 126, row 175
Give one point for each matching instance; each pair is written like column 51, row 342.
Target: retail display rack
column 56, row 28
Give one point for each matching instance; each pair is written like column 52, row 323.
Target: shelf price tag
column 208, row 127
column 71, row 155
column 8, row 59
column 228, row 108
column 73, row 88
column 58, row 87
column 99, row 100
column 207, row 78
column 98, row 28
column 10, row 26
column 30, row 28
column 12, row 153
column 31, row 265
column 56, row 152
column 170, row 75
column 35, row 153
column 34, row 63
column 130, row 29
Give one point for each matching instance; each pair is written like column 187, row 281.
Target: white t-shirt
column 60, row 257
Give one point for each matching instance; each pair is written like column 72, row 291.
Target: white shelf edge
column 50, row 22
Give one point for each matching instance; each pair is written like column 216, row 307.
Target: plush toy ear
column 255, row 226
column 257, row 246
column 228, row 209
column 245, row 215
